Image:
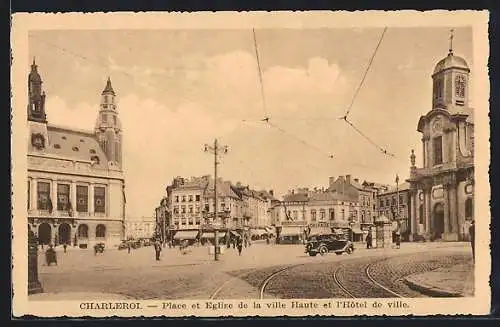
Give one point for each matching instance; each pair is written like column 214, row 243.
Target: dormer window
column 92, row 151
column 57, row 146
column 63, row 137
column 81, row 140
column 75, row 148
column 95, row 159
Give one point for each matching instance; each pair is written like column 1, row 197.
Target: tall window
column 183, row 198
column 295, row 215
column 313, row 215
column 100, row 231
column 332, row 214
column 197, row 197
column 100, row 199
column 342, row 212
column 43, row 190
column 82, row 198
column 469, row 209
column 176, row 198
column 190, row 198
column 83, row 231
column 421, row 214
column 29, row 194
column 401, row 202
column 322, row 214
column 62, row 197
column 438, row 150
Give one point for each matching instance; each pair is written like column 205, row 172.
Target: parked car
column 325, row 243
column 123, row 245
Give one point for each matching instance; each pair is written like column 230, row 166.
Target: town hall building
column 442, row 191
column 76, row 186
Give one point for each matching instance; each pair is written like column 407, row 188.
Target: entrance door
column 64, row 234
column 44, row 233
column 438, row 218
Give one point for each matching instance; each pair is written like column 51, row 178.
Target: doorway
column 64, row 233
column 438, row 224
column 44, row 234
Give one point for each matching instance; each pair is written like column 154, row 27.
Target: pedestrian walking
column 65, row 245
column 369, row 239
column 398, row 239
column 472, row 234
column 240, row 245
column 157, row 250
column 128, row 247
column 51, row 255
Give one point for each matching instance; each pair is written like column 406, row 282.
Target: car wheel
column 312, row 254
column 349, row 250
column 323, row 250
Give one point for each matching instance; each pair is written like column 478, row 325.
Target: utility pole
column 216, row 150
column 397, row 199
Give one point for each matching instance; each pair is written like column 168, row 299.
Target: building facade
column 365, row 194
column 388, row 202
column 442, row 190
column 143, row 227
column 305, row 211
column 76, row 186
column 191, row 203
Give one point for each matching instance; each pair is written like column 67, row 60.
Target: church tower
column 108, row 127
column 36, row 97
column 450, row 82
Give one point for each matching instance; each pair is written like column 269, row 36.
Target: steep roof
column 401, row 187
column 73, row 144
column 296, row 197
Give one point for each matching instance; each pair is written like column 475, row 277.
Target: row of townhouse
column 189, row 204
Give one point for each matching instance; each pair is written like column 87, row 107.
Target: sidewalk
column 455, row 281
column 76, row 296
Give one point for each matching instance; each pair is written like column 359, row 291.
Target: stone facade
column 442, row 191
column 76, row 190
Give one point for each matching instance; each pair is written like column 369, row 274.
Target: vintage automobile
column 325, row 243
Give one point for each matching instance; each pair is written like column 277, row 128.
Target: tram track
column 350, row 278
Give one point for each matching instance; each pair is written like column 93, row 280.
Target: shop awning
column 212, row 235
column 186, row 235
column 291, row 231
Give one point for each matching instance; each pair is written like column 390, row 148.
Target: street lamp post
column 215, row 149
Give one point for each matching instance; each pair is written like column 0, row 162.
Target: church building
column 76, row 186
column 442, row 191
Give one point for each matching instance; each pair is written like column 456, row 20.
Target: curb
column 430, row 290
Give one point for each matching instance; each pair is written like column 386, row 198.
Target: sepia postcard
column 250, row 164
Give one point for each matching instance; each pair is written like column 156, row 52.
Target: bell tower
column 108, row 126
column 36, row 97
column 450, row 82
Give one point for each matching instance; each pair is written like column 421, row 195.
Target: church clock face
column 460, row 86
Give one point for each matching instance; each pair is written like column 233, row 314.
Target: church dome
column 451, row 61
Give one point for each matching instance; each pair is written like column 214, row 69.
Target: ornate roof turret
column 108, row 88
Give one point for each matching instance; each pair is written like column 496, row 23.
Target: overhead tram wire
column 263, row 97
column 384, row 151
column 365, row 74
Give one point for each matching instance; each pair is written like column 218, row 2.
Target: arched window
column 83, row 231
column 421, row 214
column 469, row 209
column 100, row 231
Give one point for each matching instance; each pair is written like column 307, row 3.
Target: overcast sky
column 179, row 89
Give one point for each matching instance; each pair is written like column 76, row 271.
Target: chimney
column 271, row 192
column 293, row 191
column 356, row 180
column 348, row 179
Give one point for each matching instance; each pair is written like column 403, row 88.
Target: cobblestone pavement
column 197, row 276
